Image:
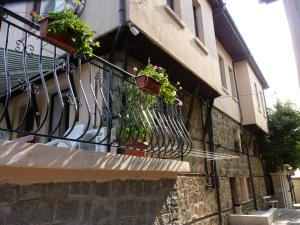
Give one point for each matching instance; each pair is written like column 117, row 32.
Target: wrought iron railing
column 69, row 100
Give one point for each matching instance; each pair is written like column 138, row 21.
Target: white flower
column 135, row 69
column 179, row 102
column 178, row 83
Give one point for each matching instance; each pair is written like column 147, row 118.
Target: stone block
column 29, row 192
column 7, row 193
column 102, row 189
column 66, row 210
column 33, row 212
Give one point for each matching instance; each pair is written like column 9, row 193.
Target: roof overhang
column 229, row 36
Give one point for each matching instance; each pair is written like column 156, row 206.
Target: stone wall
column 118, row 202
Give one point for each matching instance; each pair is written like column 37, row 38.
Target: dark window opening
column 170, row 3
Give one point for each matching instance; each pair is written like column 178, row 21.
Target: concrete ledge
column 201, row 45
column 175, row 16
column 24, row 156
column 265, row 218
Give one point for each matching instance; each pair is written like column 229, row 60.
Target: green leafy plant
column 168, row 91
column 81, row 34
column 282, row 145
column 134, row 125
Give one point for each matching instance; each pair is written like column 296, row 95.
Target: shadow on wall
column 132, row 202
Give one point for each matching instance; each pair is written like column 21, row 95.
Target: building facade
column 219, row 125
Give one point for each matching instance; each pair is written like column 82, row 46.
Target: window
column 263, row 103
column 222, row 71
column 257, row 97
column 237, row 140
column 232, row 83
column 198, row 21
column 170, row 3
column 54, row 5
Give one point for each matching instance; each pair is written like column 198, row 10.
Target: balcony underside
column 142, row 48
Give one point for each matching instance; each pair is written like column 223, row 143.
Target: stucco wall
column 249, row 106
column 227, row 103
column 152, row 18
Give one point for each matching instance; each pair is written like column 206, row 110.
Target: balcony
column 51, row 97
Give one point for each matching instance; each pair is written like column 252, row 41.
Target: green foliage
column 167, row 91
column 134, row 125
column 81, row 35
column 282, row 145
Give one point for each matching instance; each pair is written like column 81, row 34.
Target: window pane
column 232, row 83
column 171, row 3
column 257, row 97
column 222, row 71
column 198, row 21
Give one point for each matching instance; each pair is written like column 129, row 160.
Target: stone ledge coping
column 14, row 154
column 263, row 218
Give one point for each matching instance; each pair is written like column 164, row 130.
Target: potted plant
column 67, row 31
column 134, row 134
column 155, row 81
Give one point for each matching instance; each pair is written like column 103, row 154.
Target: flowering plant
column 81, row 34
column 167, row 91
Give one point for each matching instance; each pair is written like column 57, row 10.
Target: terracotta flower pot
column 135, row 149
column 63, row 40
column 148, row 84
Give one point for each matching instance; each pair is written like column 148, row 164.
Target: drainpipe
column 122, row 17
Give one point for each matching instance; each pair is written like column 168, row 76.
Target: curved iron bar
column 157, row 131
column 168, row 131
column 44, row 85
column 175, row 129
column 159, row 128
column 106, row 108
column 185, row 132
column 7, row 76
column 169, row 128
column 95, row 102
column 76, row 108
column 26, row 76
column 84, row 98
column 161, row 114
column 58, row 93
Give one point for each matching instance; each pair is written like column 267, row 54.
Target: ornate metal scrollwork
column 72, row 100
column 33, row 87
column 21, row 47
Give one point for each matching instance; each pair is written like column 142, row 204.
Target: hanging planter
column 62, row 40
column 67, row 31
column 155, row 80
column 148, row 84
column 135, row 149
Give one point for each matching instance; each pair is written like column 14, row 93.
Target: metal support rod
column 214, row 164
column 250, row 171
